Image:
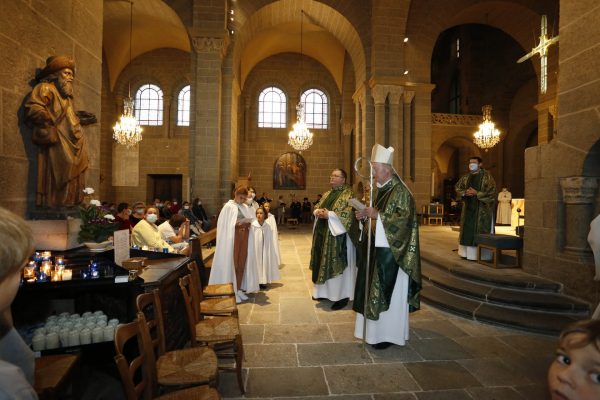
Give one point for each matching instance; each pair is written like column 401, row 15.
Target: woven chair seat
column 196, row 365
column 52, row 372
column 218, row 290
column 195, row 393
column 217, row 329
column 218, row 305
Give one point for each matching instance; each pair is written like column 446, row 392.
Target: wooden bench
column 497, row 243
column 204, row 263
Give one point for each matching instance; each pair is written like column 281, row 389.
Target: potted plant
column 97, row 223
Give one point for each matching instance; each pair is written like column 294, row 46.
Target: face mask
column 139, row 210
column 128, row 212
column 473, row 167
column 159, row 205
column 175, row 203
column 151, row 218
column 186, row 207
column 199, row 203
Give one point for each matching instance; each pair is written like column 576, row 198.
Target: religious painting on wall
column 289, row 172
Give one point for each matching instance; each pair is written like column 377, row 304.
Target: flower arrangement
column 97, row 223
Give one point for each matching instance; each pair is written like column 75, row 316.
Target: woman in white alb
column 270, row 219
column 261, row 267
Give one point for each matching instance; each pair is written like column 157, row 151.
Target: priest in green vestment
column 394, row 278
column 332, row 258
column 478, row 192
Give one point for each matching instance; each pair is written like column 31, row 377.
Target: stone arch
column 320, row 15
column 450, row 159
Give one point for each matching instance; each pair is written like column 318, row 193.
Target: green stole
column 327, row 250
column 471, row 204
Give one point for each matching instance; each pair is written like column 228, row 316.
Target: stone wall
column 260, row 147
column 557, row 223
column 31, row 32
column 163, row 149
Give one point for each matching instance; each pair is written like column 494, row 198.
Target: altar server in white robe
column 261, row 267
column 273, row 224
column 232, row 251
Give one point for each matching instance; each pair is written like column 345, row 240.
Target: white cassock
column 342, row 286
column 273, row 224
column 503, row 213
column 262, row 267
column 392, row 325
column 223, row 269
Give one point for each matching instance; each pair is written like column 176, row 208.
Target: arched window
column 272, row 108
column 183, row 107
column 315, row 109
column 149, row 105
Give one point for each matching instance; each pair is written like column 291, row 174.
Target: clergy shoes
column 381, row 346
column 242, row 295
column 338, row 305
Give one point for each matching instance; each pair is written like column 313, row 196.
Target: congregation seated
column 146, row 234
column 139, row 210
column 169, row 234
column 122, row 217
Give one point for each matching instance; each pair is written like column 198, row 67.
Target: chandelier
column 300, row 138
column 487, row 136
column 127, row 131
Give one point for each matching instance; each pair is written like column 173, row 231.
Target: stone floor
column 297, row 347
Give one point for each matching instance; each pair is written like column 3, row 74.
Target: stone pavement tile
column 436, row 329
column 439, row 349
column 292, row 286
column 267, row 306
column 342, row 397
column 228, row 386
column 294, row 311
column 394, row 353
column 485, row 347
column 332, row 353
column 263, row 317
column 327, row 315
column 441, row 375
column 493, row 372
column 443, row 395
column 425, row 314
column 252, row 333
column 265, row 298
column 537, row 391
column 244, row 311
column 270, row 355
column 343, row 332
column 297, row 333
column 286, row 382
column 495, row 393
column 532, row 367
column 369, row 379
column 475, row 328
column 394, row 396
column 532, row 345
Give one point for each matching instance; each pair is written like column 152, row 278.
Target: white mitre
column 381, row 155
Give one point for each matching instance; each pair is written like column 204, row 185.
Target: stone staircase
column 508, row 297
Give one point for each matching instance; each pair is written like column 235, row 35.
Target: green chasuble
column 398, row 214
column 328, row 257
column 477, row 211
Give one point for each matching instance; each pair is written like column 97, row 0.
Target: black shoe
column 381, row 346
column 318, row 298
column 338, row 305
column 263, row 286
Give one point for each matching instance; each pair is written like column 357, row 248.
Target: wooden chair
column 53, row 374
column 435, row 214
column 211, row 305
column 185, row 367
column 216, row 290
column 137, row 381
column 221, row 333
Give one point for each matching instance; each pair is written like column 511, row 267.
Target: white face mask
column 473, row 167
column 139, row 210
column 186, row 207
column 151, row 218
column 128, row 212
column 199, row 203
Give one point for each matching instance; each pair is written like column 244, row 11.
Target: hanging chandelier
column 127, row 131
column 487, row 136
column 300, row 138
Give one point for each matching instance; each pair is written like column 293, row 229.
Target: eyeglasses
column 335, row 176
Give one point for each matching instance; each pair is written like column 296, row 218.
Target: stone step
column 531, row 299
column 532, row 321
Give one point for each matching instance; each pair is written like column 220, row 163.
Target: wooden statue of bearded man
column 63, row 157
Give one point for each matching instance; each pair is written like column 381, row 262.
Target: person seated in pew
column 16, row 358
column 175, row 231
column 146, row 234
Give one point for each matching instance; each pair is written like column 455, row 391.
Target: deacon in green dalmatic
column 394, row 279
column 333, row 256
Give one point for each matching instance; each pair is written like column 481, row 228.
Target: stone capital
column 394, row 94
column 408, row 96
column 204, row 44
column 579, row 189
column 379, row 93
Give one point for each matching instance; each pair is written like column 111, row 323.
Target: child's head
column 267, row 206
column 575, row 372
column 260, row 215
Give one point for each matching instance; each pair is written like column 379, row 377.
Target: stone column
column 395, row 134
column 205, row 134
column 358, row 98
column 379, row 93
column 579, row 194
column 407, row 110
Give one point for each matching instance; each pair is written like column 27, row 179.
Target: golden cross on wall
column 542, row 50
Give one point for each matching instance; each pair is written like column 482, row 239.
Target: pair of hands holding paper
column 363, row 211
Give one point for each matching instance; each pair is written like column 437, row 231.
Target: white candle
column 67, row 274
column 52, row 341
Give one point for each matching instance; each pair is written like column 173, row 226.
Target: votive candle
column 67, row 274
